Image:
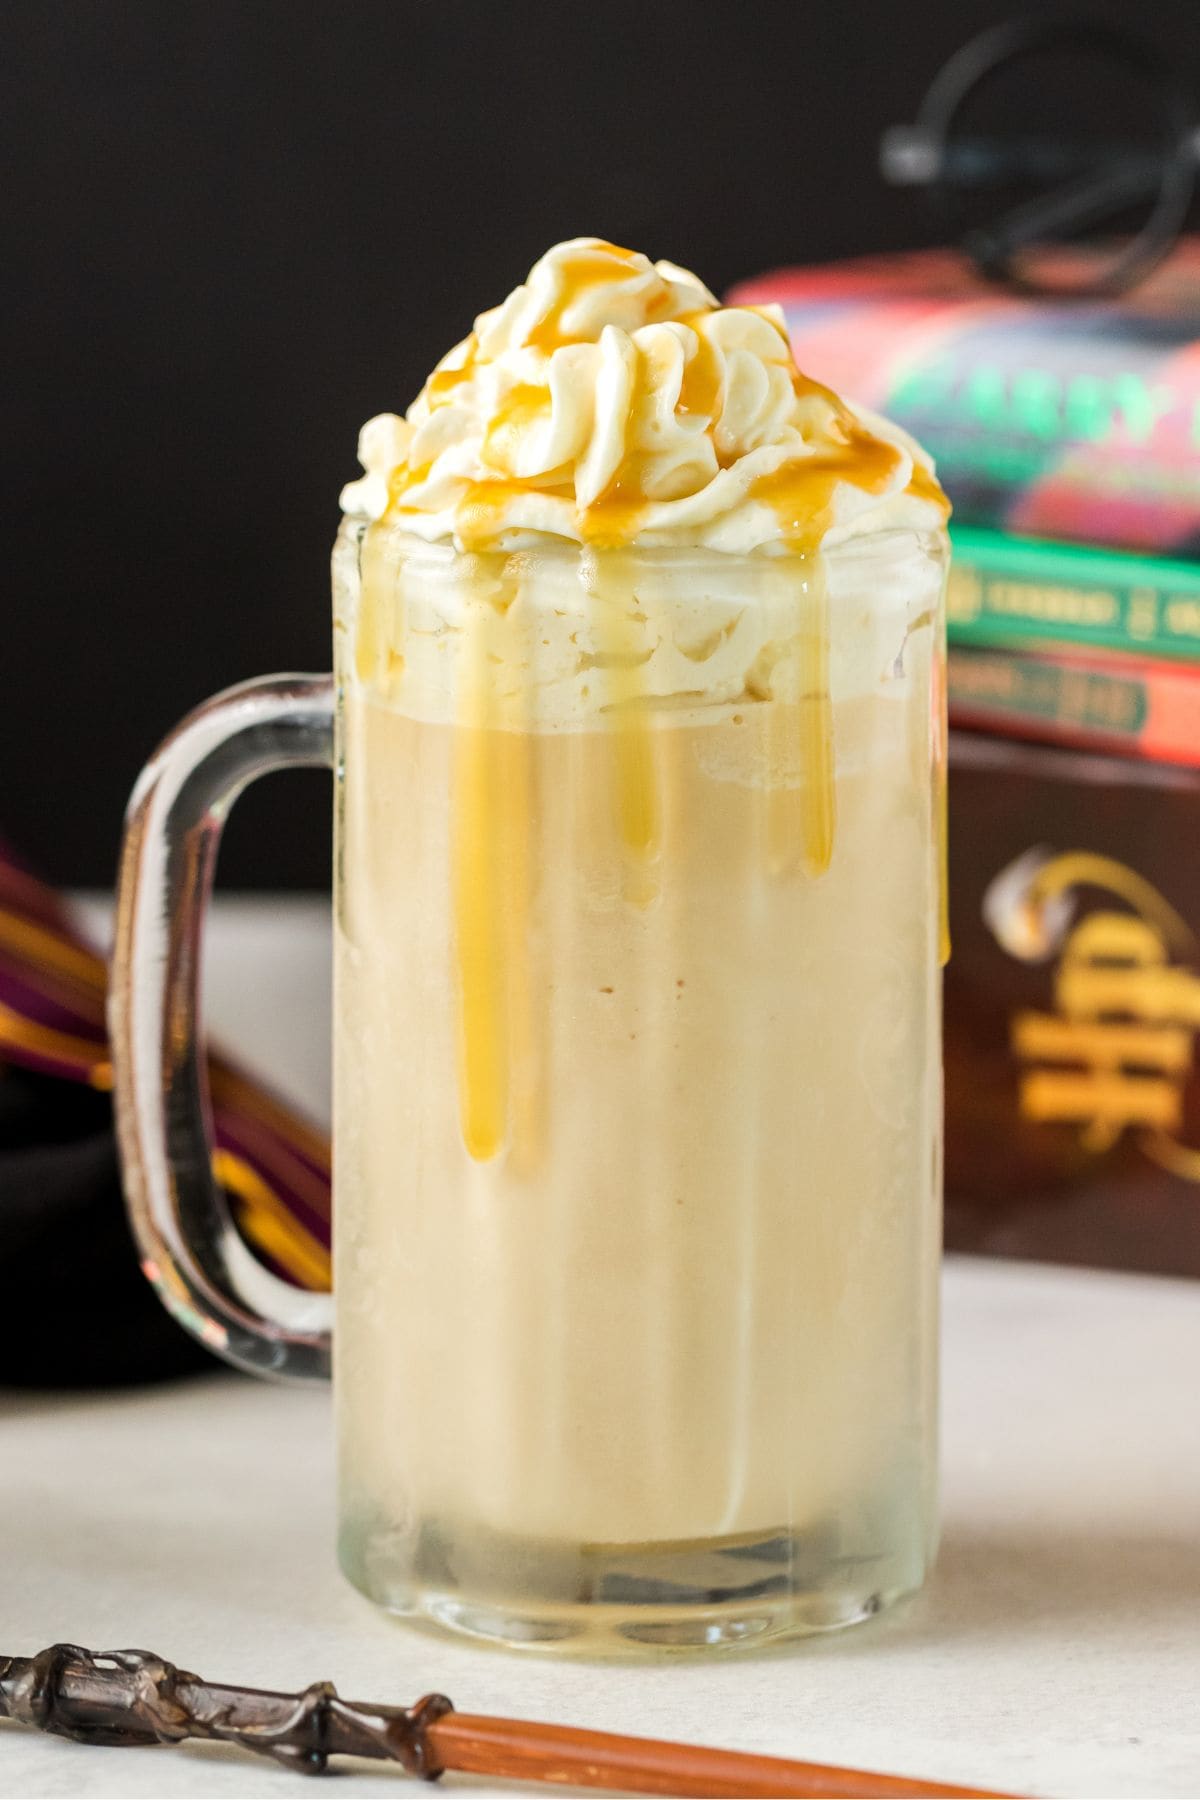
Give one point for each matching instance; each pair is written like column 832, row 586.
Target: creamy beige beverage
column 637, row 1054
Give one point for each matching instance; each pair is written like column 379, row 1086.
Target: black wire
column 995, row 249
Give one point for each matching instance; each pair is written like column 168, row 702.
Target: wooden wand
column 128, row 1697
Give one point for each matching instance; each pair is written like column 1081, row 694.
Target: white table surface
column 1055, row 1651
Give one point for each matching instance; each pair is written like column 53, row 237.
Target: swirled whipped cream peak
column 611, row 400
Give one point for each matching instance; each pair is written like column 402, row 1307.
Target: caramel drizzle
column 370, row 629
column 612, row 522
column 499, row 1076
column 941, row 807
column 440, row 386
column 700, row 390
column 924, row 485
column 816, row 730
column 523, row 406
column 621, row 655
column 801, row 491
column 802, row 808
column 483, row 1071
column 494, row 807
column 491, row 814
column 801, row 821
column 941, row 826
column 517, row 813
column 583, row 271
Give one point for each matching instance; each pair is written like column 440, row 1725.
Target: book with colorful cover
column 1007, row 592
column 1123, row 705
column 1070, row 419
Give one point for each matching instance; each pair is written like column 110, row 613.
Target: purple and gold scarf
column 272, row 1163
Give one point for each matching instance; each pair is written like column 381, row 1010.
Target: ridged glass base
column 609, row 1631
column 628, row 1600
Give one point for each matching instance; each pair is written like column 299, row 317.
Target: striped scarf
column 273, row 1165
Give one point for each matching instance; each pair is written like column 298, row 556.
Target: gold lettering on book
column 1115, row 1054
column 964, row 594
column 1182, row 617
column 1143, row 612
column 1055, row 605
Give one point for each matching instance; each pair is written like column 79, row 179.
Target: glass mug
column 637, row 1113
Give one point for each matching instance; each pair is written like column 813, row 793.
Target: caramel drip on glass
column 494, row 811
column 483, row 1071
column 941, row 798
column 819, row 809
column 941, row 824
column 517, row 816
column 620, row 655
column 802, row 798
column 801, row 821
column 784, row 800
column 371, row 626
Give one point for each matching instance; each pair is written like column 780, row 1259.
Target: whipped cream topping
column 610, row 400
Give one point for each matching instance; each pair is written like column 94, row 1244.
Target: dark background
column 234, row 230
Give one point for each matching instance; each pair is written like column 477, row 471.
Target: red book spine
column 1126, row 705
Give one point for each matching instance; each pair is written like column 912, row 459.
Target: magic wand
column 127, row 1697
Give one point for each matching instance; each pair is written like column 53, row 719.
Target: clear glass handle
column 189, row 1245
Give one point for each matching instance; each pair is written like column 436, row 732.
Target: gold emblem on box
column 1114, row 1053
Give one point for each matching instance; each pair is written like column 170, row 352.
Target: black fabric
column 238, row 230
column 77, row 1310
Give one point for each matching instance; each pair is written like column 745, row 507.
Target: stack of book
column 1067, row 435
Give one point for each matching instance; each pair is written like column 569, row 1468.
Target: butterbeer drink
column 638, row 1090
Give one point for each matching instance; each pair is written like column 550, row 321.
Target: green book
column 1007, row 591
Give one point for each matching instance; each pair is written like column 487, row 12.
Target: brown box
column 1072, row 1006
